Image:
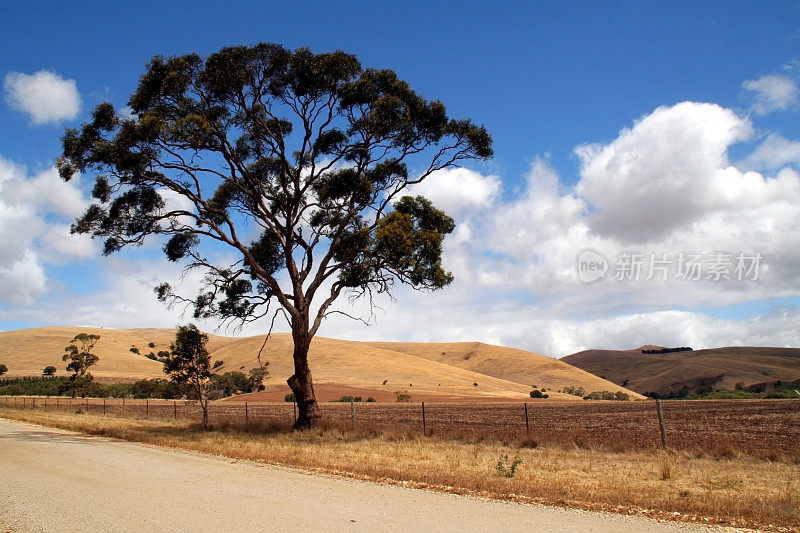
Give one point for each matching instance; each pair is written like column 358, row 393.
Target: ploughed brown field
column 764, row 428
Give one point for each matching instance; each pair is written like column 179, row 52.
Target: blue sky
column 556, row 84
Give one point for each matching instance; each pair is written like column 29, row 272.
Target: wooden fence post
column 104, row 407
column 353, row 412
column 175, row 409
column 246, row 415
column 661, row 423
column 527, row 427
column 424, row 424
column 147, row 408
column 123, row 406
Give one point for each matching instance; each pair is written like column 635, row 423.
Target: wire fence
column 762, row 427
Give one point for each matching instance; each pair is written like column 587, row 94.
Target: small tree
column 3, row 369
column 257, row 377
column 188, row 363
column 80, row 359
column 49, row 371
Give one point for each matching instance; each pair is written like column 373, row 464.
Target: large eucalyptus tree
column 298, row 162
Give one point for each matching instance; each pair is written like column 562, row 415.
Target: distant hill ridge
column 446, row 370
column 647, row 369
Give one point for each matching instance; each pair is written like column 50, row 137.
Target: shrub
column 370, row 399
column 3, row 369
column 508, row 467
column 536, row 394
column 348, row 399
column 151, row 344
column 152, row 356
column 218, row 364
column 230, row 383
column 289, row 397
column 402, row 396
column 135, row 350
column 49, row 371
column 575, row 391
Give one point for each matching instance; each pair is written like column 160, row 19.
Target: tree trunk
column 301, row 383
column 204, row 405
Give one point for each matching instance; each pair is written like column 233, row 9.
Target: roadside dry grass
column 735, row 490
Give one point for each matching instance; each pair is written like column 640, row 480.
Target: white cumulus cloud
column 35, row 214
column 774, row 92
column 661, row 174
column 44, row 95
column 773, row 153
column 457, row 190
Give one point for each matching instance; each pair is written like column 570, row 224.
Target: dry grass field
column 733, row 489
column 470, row 370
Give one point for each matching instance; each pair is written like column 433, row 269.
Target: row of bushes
column 344, row 399
column 772, row 390
column 608, row 395
column 668, row 350
column 62, row 386
column 348, row 399
column 578, row 391
column 225, row 384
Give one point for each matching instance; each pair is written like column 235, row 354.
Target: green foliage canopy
column 312, row 149
column 80, row 358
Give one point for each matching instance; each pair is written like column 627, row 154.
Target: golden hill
column 509, row 364
column 440, row 371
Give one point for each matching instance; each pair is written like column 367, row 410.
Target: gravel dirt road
column 52, row 480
